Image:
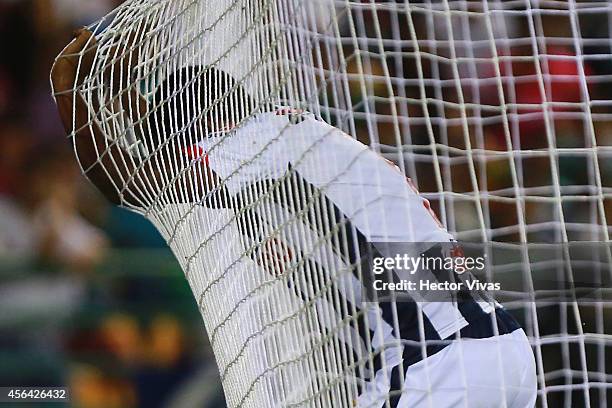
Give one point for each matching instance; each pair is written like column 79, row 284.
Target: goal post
column 498, row 111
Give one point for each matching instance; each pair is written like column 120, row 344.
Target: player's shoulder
column 281, row 120
column 286, row 124
column 285, row 115
column 289, row 120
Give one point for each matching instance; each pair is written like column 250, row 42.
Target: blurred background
column 90, row 296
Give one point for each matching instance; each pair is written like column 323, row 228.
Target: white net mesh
column 499, row 111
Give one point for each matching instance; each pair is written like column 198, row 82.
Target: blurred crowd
column 53, row 212
column 71, row 311
column 533, row 93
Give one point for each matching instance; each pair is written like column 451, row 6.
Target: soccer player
column 287, row 174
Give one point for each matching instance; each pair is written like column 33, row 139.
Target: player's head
column 196, row 101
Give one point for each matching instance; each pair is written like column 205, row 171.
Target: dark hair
column 194, row 95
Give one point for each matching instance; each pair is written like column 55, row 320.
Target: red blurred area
column 555, row 77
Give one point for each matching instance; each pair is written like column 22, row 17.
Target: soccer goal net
column 498, row 111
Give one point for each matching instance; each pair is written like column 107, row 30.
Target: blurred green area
column 125, row 334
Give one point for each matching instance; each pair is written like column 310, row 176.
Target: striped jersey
column 333, row 204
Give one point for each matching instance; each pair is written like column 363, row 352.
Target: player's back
column 369, row 190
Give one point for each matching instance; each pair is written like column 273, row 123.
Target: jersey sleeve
column 256, row 151
column 374, row 193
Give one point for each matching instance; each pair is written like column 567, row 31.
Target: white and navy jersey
column 299, row 180
column 369, row 190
